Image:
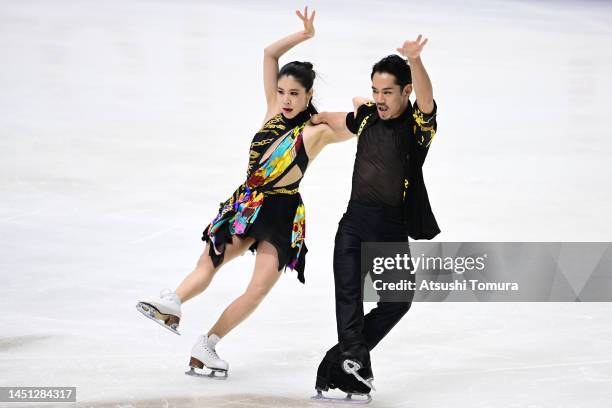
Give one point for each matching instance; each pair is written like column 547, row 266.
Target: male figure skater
column 388, row 203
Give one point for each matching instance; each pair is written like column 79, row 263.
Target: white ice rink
column 123, row 124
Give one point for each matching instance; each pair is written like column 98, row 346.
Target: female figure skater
column 266, row 212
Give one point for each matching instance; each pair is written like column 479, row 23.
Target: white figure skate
column 165, row 310
column 204, row 355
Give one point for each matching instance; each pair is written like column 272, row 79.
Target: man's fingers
column 410, row 47
column 312, row 15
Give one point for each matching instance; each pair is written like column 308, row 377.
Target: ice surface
column 124, row 123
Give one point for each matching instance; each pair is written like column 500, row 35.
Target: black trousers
column 363, row 223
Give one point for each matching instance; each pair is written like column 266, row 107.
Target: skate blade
column 152, row 313
column 351, row 367
column 212, row 375
column 346, row 400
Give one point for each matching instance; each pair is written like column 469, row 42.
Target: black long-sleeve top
column 389, row 161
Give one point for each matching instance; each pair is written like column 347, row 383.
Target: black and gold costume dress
column 263, row 207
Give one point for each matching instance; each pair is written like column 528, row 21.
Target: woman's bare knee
column 265, row 274
column 257, row 293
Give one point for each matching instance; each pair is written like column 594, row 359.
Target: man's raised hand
column 412, row 49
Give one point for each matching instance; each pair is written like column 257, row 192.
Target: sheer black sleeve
column 425, row 125
column 354, row 122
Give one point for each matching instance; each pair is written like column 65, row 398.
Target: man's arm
column 358, row 101
column 420, row 79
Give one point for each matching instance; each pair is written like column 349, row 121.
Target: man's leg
column 392, row 305
column 348, row 282
column 349, row 286
column 378, row 322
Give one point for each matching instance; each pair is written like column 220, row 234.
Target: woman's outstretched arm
column 336, row 129
column 275, row 50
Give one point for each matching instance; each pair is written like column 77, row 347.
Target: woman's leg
column 264, row 277
column 200, row 278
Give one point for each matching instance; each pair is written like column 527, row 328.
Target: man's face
column 391, row 100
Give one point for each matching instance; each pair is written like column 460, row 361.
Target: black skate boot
column 355, row 360
column 324, row 372
column 330, row 375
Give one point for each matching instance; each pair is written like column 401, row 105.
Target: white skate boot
column 203, row 354
column 165, row 310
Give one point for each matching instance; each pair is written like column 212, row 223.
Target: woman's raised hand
column 308, row 22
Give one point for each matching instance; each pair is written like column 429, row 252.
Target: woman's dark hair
column 396, row 66
column 304, row 74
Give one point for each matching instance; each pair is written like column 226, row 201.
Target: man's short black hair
column 396, row 66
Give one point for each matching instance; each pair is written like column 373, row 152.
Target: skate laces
column 209, row 349
column 213, row 353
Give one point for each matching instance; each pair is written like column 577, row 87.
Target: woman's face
column 292, row 96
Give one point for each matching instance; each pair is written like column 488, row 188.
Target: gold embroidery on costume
column 363, row 123
column 423, row 128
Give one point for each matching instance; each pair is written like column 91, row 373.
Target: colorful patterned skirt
column 276, row 220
